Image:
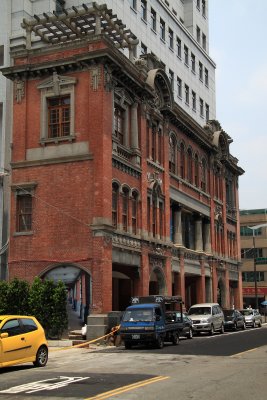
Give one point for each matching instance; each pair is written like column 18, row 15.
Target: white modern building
column 176, row 32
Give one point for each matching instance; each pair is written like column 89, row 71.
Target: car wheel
column 235, row 326
column 127, row 345
column 222, row 328
column 190, row 334
column 244, row 326
column 254, row 324
column 41, row 357
column 175, row 339
column 159, row 343
column 211, row 332
column 259, row 324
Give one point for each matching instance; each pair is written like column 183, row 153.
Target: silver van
column 207, row 317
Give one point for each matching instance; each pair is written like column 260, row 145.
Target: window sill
column 56, row 140
column 28, row 233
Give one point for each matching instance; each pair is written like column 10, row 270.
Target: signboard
column 251, row 290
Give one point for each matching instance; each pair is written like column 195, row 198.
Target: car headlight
column 205, row 320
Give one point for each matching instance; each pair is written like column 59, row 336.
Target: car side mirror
column 3, row 335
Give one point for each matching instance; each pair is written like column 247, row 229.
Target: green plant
column 3, row 297
column 17, row 297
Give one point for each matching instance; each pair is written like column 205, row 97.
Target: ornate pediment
column 57, row 82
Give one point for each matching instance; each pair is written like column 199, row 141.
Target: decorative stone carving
column 19, row 90
column 154, row 180
column 95, row 78
column 108, row 80
column 126, row 241
column 218, row 214
column 56, row 83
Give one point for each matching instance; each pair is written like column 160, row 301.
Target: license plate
column 135, row 336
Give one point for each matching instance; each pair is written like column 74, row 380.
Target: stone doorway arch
column 78, row 291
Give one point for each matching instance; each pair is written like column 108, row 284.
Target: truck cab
column 145, row 322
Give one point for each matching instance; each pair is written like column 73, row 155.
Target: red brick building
column 114, row 186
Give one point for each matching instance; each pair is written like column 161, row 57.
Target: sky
column 238, row 45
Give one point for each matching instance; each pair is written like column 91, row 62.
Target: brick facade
column 72, row 179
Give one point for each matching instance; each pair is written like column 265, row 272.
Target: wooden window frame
column 56, row 87
column 58, row 117
column 115, row 202
column 24, row 208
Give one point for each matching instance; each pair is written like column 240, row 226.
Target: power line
column 52, row 206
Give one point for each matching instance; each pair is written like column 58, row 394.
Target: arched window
column 125, row 209
column 196, row 171
column 134, row 212
column 204, row 175
column 118, row 124
column 189, row 166
column 154, row 143
column 172, row 154
column 154, row 215
column 182, row 161
column 115, row 198
column 160, row 146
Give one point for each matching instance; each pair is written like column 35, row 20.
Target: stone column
column 126, row 127
column 134, row 127
column 207, row 241
column 97, row 25
column 198, row 232
column 178, row 239
column 158, row 219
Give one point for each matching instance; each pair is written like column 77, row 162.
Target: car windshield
column 247, row 312
column 142, row 314
column 228, row 313
column 200, row 311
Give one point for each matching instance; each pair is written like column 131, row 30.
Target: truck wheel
column 128, row 345
column 159, row 343
column 175, row 339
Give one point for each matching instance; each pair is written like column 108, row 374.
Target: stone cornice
column 59, row 160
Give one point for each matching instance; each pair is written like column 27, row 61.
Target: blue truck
column 147, row 321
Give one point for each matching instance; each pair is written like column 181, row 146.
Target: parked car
column 233, row 319
column 22, row 340
column 252, row 317
column 186, row 324
column 207, row 317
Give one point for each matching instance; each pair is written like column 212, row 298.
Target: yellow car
column 22, row 340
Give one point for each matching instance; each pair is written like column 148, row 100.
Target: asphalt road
column 230, row 365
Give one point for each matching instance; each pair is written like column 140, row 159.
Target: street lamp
column 254, row 228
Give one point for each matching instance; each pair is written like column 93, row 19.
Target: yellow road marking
column 243, row 352
column 127, row 388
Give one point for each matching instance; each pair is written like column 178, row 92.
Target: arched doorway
column 78, row 291
column 157, row 283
